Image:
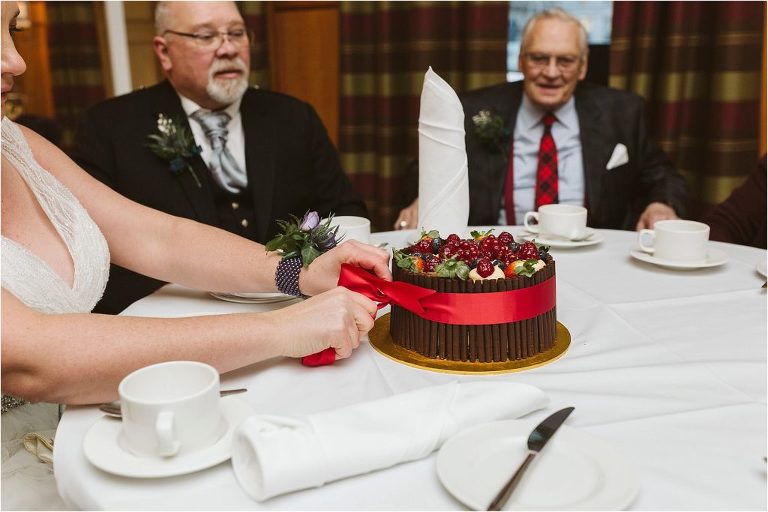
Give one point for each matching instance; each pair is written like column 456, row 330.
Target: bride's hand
column 323, row 273
column 337, row 318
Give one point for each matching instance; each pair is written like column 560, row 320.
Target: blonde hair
column 558, row 14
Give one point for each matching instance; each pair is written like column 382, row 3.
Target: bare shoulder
column 56, row 162
column 42, row 149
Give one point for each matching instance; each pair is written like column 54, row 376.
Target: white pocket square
column 619, row 157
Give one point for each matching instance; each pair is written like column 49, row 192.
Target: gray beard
column 226, row 91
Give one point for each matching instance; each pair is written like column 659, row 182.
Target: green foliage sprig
column 453, row 267
column 491, row 130
column 307, row 238
column 176, row 145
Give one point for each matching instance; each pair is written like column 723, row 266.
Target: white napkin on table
column 443, row 181
column 275, row 455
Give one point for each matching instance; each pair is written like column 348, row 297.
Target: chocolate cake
column 488, row 265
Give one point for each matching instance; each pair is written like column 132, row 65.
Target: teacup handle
column 643, row 247
column 533, row 228
column 167, row 445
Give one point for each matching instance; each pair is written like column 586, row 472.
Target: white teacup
column 352, row 227
column 170, row 408
column 676, row 240
column 562, row 220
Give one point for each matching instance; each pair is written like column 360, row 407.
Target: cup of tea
column 676, row 240
column 352, row 227
column 561, row 220
column 170, row 408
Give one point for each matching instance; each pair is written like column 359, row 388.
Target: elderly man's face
column 215, row 73
column 552, row 63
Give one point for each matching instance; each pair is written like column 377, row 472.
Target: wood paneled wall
column 35, row 85
column 304, row 55
column 140, row 27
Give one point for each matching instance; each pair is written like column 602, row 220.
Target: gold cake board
column 381, row 340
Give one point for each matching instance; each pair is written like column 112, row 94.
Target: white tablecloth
column 668, row 367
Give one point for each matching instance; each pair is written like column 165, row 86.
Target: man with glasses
column 204, row 145
column 553, row 138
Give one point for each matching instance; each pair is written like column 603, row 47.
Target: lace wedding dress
column 28, row 484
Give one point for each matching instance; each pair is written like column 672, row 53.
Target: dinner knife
column 536, row 441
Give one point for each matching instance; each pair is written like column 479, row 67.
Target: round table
column 667, row 366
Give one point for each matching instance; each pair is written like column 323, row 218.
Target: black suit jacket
column 607, row 117
column 292, row 167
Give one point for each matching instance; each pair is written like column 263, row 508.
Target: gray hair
column 558, row 14
column 161, row 18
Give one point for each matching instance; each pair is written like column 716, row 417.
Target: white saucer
column 761, row 268
column 102, row 448
column 574, row 471
column 252, row 298
column 715, row 257
column 592, row 237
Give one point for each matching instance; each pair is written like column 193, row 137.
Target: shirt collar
column 530, row 114
column 190, row 107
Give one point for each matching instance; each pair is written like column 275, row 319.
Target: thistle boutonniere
column 491, row 130
column 308, row 237
column 174, row 144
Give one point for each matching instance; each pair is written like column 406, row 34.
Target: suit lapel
column 201, row 198
column 596, row 145
column 260, row 158
column 512, row 99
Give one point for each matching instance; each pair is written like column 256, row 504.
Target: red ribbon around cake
column 447, row 308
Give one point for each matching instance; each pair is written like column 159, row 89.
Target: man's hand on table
column 409, row 216
column 655, row 212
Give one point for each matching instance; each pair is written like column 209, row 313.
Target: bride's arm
column 81, row 358
column 182, row 251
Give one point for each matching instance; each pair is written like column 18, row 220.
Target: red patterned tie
column 546, row 171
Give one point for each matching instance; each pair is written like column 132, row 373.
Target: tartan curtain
column 698, row 64
column 76, row 66
column 75, row 63
column 386, row 47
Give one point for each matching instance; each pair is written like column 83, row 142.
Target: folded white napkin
column 443, row 181
column 273, row 455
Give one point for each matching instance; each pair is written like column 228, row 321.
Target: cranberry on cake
column 514, row 320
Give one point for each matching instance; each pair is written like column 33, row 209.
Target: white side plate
column 252, row 298
column 574, row 471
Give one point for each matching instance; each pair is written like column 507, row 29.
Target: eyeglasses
column 563, row 62
column 214, row 40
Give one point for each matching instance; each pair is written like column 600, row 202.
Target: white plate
column 715, row 257
column 592, row 237
column 574, row 471
column 761, row 268
column 102, row 447
column 252, row 298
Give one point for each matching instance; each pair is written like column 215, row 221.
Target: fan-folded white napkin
column 443, row 181
column 275, row 455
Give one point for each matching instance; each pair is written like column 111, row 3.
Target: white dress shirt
column 527, row 139
column 235, row 138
